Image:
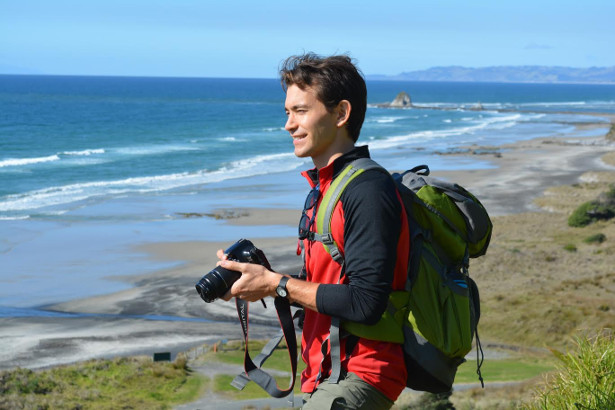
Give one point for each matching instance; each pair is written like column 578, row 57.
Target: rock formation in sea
column 402, row 100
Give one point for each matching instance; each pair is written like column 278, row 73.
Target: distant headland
column 507, row 74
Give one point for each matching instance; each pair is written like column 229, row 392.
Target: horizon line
column 384, row 78
column 401, row 73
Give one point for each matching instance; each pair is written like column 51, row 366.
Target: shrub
column 597, row 238
column 570, row 247
column 181, row 362
column 585, row 378
column 591, row 212
column 580, row 216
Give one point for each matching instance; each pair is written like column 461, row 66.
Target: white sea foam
column 154, row 149
column 71, row 193
column 86, row 152
column 15, row 162
column 386, row 120
column 491, row 122
column 13, row 218
column 554, row 104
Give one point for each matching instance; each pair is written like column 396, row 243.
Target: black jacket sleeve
column 372, row 213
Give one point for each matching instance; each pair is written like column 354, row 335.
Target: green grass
column 511, row 369
column 504, row 370
column 595, row 239
column 222, row 385
column 135, row 382
column 233, row 353
column 585, row 377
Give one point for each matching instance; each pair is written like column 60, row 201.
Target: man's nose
column 290, row 125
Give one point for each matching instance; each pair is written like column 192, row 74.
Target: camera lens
column 216, row 283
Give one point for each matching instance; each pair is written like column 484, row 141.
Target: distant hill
column 507, row 74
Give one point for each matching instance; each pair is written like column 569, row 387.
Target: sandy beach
column 135, row 321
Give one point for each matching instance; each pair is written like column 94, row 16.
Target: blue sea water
column 89, row 166
column 70, row 141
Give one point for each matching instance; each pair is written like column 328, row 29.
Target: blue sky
column 250, row 38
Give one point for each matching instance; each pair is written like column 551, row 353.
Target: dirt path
column 212, row 400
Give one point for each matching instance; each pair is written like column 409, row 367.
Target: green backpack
column 436, row 316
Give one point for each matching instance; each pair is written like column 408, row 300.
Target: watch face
column 281, row 289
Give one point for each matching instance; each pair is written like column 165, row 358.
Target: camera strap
column 253, row 371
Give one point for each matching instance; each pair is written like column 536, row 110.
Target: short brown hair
column 334, row 79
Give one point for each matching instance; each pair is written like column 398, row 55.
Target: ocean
column 91, row 166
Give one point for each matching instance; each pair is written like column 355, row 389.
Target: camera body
column 218, row 281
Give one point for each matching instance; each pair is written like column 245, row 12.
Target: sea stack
column 402, row 100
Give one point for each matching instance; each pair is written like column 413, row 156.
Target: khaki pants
column 350, row 393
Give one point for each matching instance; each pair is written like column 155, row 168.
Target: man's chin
column 301, row 153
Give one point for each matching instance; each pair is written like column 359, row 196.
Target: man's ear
column 343, row 113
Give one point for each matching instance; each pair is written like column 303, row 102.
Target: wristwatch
column 281, row 289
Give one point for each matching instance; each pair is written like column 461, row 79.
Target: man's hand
column 256, row 281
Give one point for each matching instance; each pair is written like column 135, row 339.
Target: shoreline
column 522, row 173
column 526, row 169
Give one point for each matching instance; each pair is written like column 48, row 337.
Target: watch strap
column 282, row 285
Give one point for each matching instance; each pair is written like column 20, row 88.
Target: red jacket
column 366, row 223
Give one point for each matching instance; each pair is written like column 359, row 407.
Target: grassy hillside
column 543, row 280
column 122, row 383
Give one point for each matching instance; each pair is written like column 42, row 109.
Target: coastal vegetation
column 121, row 383
column 584, row 378
column 600, row 208
column 544, row 280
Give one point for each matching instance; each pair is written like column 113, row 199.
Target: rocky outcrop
column 402, row 100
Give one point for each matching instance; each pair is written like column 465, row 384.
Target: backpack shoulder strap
column 330, row 200
column 323, row 234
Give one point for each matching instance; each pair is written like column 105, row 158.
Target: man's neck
column 336, row 150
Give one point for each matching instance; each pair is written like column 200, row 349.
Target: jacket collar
column 329, row 172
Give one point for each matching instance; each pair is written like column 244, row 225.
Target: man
column 326, row 100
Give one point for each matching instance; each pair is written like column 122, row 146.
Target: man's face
column 311, row 126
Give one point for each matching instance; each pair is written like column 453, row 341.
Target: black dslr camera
column 219, row 280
